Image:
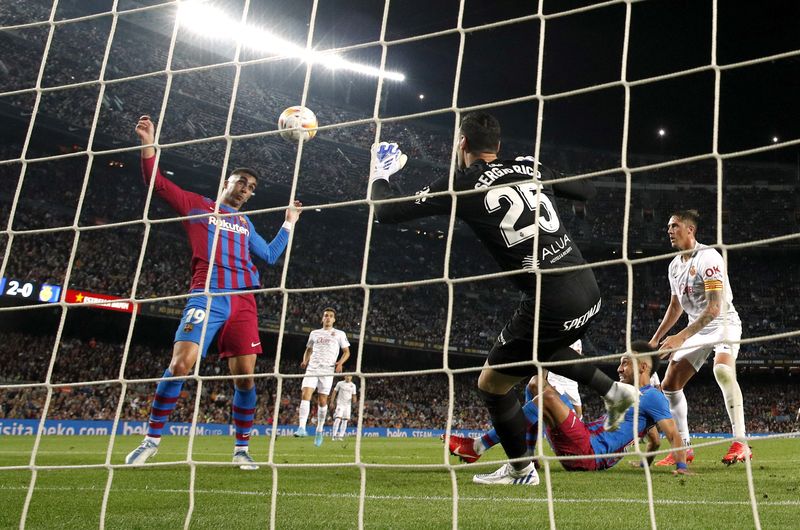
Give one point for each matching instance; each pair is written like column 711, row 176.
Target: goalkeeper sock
column 584, row 373
column 509, row 422
column 734, row 403
column 167, row 393
column 244, row 409
column 680, row 412
column 305, row 408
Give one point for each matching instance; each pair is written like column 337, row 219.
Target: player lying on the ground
column 569, row 436
column 233, row 314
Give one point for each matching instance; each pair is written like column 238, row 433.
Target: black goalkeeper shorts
column 569, row 304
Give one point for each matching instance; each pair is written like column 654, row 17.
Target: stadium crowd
column 396, row 402
column 332, row 169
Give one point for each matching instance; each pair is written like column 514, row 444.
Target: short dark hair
column 246, row 171
column 482, row 131
column 332, row 310
column 688, row 216
column 642, row 346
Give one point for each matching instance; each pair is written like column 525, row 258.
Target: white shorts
column 342, row 411
column 566, row 386
column 321, row 383
column 698, row 347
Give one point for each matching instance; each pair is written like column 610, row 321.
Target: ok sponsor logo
column 711, row 271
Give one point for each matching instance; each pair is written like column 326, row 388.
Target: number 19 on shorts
column 195, row 316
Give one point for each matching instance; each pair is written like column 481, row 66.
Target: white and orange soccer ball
column 297, row 124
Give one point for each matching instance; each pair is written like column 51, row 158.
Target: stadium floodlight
column 775, row 139
column 214, row 23
column 662, row 132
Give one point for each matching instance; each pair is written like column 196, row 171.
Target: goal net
column 95, row 268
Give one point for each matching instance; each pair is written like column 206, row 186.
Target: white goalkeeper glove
column 387, row 159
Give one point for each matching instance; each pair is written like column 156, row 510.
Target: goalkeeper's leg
column 505, row 412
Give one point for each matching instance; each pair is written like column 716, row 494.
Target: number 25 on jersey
column 522, row 198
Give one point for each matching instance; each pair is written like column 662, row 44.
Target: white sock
column 343, row 429
column 152, row 439
column 680, row 413
column 478, row 446
column 616, row 392
column 305, row 408
column 322, row 414
column 734, row 404
column 335, row 428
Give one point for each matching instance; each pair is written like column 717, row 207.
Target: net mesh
column 174, row 74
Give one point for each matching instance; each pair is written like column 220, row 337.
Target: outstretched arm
column 667, row 426
column 146, row 130
column 179, row 199
column 270, row 252
column 653, row 440
column 387, row 159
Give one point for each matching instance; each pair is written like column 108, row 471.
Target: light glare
column 213, row 23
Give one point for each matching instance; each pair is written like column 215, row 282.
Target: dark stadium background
column 405, row 328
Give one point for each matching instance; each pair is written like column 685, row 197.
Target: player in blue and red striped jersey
column 232, row 315
column 569, row 436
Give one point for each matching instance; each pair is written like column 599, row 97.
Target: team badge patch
column 188, row 327
column 692, row 271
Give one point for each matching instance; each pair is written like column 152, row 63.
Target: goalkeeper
column 233, row 314
column 514, row 202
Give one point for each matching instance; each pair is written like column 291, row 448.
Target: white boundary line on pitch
column 304, row 454
column 524, row 500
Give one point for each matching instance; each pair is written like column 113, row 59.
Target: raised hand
column 294, row 211
column 387, row 159
column 146, row 130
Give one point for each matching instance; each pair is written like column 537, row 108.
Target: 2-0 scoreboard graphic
column 30, row 290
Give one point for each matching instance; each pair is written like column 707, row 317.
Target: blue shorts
column 233, row 316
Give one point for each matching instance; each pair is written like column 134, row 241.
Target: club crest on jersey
column 692, row 271
column 188, row 327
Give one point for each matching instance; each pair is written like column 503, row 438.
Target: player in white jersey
column 567, row 386
column 320, row 362
column 700, row 287
column 343, row 398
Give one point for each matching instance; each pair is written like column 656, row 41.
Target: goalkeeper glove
column 387, row 159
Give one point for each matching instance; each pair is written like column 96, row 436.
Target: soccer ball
column 297, row 124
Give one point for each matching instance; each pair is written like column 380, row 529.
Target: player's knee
column 244, row 384
column 180, row 366
column 724, row 374
column 549, row 395
column 533, row 386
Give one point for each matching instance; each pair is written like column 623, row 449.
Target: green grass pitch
column 322, row 496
